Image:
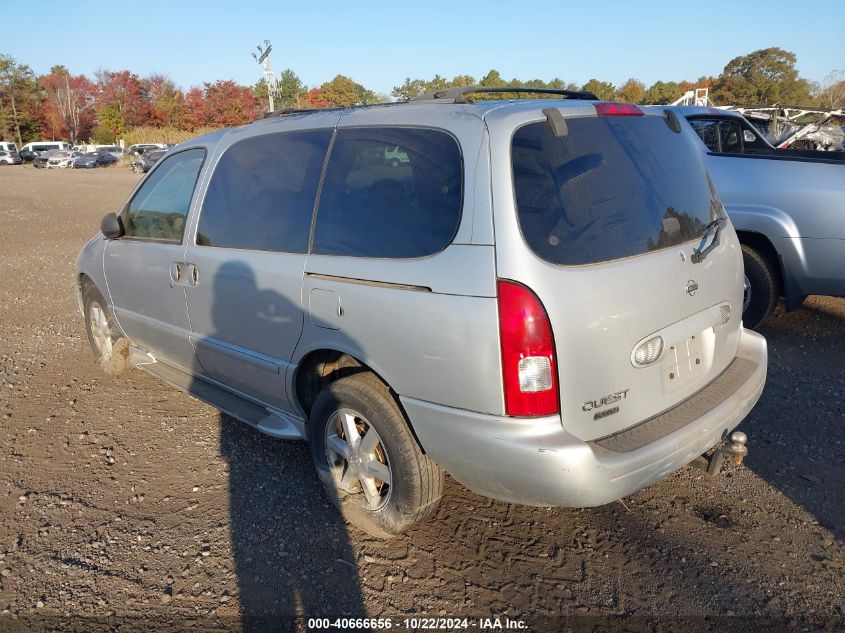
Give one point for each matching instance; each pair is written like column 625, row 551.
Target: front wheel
column 761, row 288
column 111, row 351
column 368, row 460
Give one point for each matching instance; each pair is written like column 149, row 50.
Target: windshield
column 612, row 187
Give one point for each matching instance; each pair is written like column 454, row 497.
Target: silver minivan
column 543, row 301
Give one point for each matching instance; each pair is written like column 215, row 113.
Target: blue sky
column 380, row 43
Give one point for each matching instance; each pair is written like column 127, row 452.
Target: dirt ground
column 124, row 498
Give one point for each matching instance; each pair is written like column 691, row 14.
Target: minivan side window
column 261, row 195
column 159, row 208
column 390, row 192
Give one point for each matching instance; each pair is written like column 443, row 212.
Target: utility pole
column 263, row 58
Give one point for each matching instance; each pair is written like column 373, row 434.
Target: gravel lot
column 124, row 498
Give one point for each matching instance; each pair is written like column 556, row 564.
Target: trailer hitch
column 736, row 451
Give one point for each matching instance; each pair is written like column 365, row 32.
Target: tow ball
column 736, row 451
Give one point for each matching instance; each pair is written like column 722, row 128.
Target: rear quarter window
column 613, row 187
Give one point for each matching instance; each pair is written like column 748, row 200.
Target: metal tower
column 263, row 58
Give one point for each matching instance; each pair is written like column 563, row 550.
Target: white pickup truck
column 787, row 206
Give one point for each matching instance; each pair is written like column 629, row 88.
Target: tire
column 762, row 283
column 412, row 484
column 110, row 349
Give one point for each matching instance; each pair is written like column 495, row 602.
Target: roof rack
column 290, row 111
column 458, row 95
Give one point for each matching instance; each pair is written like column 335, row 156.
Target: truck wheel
column 110, row 350
column 761, row 288
column 367, row 459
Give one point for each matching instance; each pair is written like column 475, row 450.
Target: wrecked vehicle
column 787, row 206
column 542, row 298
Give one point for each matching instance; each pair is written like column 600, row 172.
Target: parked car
column 62, row 159
column 554, row 320
column 40, row 161
column 9, row 158
column 106, row 158
column 144, row 161
column 114, row 150
column 140, row 148
column 8, row 146
column 89, row 160
column 30, row 151
column 786, row 205
column 396, row 157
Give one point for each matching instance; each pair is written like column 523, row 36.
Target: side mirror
column 112, row 226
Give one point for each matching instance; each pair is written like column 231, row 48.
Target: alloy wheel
column 357, row 458
column 100, row 329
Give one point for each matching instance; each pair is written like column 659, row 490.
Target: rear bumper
column 536, row 462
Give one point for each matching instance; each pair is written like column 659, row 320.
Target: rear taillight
column 529, row 370
column 611, row 108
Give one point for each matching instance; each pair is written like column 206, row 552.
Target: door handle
column 193, row 274
column 177, row 273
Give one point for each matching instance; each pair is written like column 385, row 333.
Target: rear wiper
column 700, row 253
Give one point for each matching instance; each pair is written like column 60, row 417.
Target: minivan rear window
column 612, row 187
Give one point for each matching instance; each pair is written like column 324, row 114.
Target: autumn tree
column 228, row 104
column 343, row 92
column 19, row 91
column 72, row 98
column 121, row 100
column 764, row 76
column 701, row 82
column 662, row 93
column 604, row 90
column 111, row 126
column 632, row 91
column 196, row 114
column 167, row 101
column 314, row 99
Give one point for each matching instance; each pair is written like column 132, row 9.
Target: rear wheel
column 110, row 350
column 761, row 288
column 367, row 459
